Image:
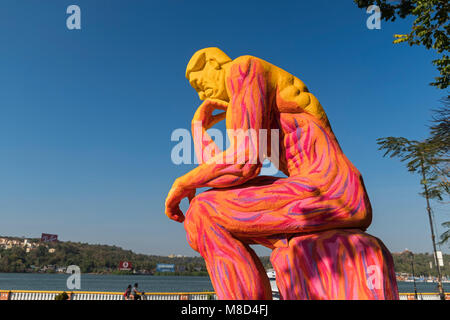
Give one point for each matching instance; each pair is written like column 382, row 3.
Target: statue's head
column 206, row 74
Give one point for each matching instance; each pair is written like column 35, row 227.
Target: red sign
column 125, row 265
column 45, row 237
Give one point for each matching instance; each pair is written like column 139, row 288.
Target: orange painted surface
column 322, row 191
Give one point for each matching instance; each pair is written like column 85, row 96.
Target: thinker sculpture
column 313, row 220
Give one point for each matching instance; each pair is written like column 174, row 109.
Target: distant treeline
column 422, row 261
column 105, row 259
column 91, row 259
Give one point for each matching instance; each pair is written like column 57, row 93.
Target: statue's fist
column 176, row 194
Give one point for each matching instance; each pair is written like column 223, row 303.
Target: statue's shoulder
column 247, row 59
column 244, row 64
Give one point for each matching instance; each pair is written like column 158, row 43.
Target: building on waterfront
column 61, row 269
column 165, row 267
column 176, row 256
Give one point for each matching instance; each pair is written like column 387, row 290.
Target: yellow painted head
column 206, row 74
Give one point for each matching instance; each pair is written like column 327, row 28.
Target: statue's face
column 209, row 82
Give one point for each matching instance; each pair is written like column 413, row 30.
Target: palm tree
column 428, row 158
column 440, row 136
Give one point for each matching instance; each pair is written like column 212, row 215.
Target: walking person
column 127, row 293
column 135, row 293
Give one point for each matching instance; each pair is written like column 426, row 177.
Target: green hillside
column 91, row 258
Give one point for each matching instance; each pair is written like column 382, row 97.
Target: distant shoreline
column 157, row 274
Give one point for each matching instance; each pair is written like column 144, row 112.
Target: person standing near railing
column 127, row 293
column 136, row 295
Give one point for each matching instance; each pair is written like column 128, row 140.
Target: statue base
column 342, row 264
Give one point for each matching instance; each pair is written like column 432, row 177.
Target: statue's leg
column 235, row 270
column 335, row 264
column 220, row 223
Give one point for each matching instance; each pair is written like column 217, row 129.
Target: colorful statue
column 313, row 220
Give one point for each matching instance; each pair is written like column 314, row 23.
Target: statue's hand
column 205, row 110
column 176, row 194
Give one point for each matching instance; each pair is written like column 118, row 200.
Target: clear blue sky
column 86, row 115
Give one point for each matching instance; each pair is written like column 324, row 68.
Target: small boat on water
column 271, row 274
column 273, row 283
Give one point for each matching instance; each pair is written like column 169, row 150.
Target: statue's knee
column 191, row 226
column 194, row 222
column 191, row 234
column 194, row 212
column 192, row 240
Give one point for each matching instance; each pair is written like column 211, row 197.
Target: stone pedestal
column 336, row 264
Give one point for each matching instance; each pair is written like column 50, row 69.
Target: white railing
column 32, row 296
column 93, row 295
column 422, row 296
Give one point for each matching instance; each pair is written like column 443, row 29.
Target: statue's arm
column 239, row 163
column 203, row 119
column 247, row 110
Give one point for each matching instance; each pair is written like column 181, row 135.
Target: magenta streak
column 318, row 166
column 307, row 141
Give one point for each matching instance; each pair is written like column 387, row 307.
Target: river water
column 118, row 283
column 93, row 282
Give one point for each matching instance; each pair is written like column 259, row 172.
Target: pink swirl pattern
column 323, row 191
